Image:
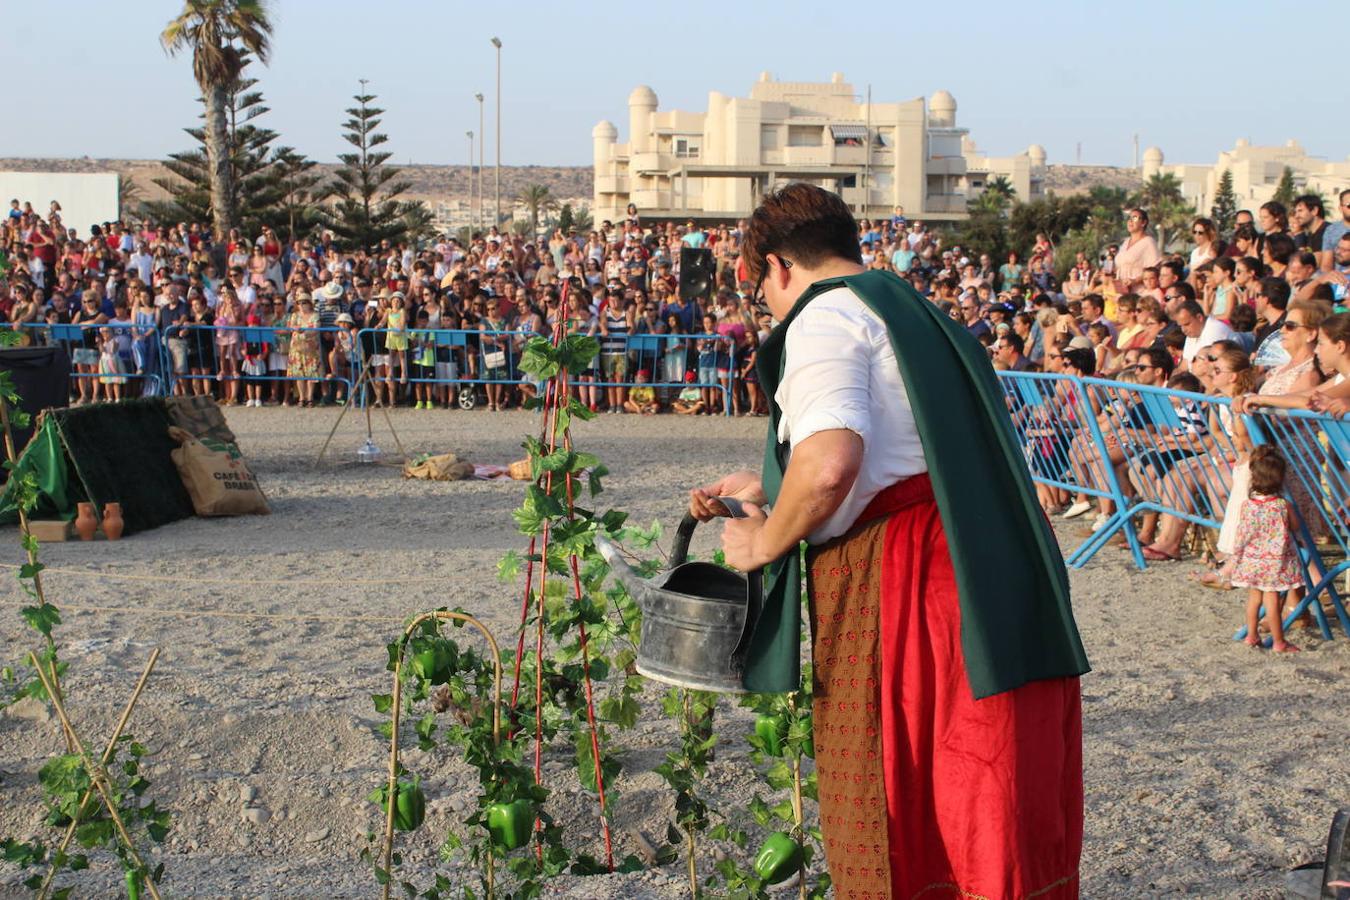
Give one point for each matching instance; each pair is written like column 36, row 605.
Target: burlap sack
column 216, row 477
column 444, row 467
column 199, row 415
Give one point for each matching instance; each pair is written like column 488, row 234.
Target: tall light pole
column 497, row 170
column 482, row 157
column 472, row 224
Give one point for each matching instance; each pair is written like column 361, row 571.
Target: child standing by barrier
column 255, row 362
column 424, row 361
column 1264, row 559
column 110, row 365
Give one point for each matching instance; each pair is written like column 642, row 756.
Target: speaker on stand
column 698, row 273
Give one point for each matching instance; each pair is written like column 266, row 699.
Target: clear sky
column 88, row 77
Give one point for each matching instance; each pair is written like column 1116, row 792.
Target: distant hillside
column 430, row 183
column 1066, row 180
column 450, row 184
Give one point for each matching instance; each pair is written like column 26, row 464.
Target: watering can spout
column 620, row 568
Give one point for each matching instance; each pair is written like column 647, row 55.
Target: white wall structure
column 1256, row 174
column 86, row 198
column 714, row 164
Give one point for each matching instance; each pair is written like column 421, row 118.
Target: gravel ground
column 1210, row 769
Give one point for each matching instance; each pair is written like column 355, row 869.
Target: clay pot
column 86, row 522
column 112, row 521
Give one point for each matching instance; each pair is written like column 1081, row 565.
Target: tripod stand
column 358, row 389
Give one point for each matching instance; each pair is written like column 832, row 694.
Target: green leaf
column 622, row 710
column 508, row 567
column 41, row 618
column 383, row 702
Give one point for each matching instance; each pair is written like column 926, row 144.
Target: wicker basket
column 521, row 470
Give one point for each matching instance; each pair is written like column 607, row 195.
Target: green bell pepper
column 511, row 824
column 778, row 858
column 410, row 806
column 133, row 884
column 432, row 659
column 772, row 730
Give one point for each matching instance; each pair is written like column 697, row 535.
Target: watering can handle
column 679, row 551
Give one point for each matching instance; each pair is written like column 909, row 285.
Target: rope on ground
column 211, row 613
column 233, row 582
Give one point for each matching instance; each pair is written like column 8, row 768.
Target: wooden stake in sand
column 98, row 774
column 107, row 756
column 392, row 791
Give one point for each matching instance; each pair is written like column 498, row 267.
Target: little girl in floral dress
column 1264, row 558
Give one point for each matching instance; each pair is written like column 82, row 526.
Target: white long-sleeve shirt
column 840, row 372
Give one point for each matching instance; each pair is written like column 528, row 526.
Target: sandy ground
column 1210, row 769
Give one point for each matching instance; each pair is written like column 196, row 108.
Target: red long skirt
column 924, row 790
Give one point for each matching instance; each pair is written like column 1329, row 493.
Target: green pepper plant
column 73, row 800
column 582, row 675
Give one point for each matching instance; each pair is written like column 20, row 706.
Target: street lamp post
column 482, row 157
column 497, row 169
column 471, row 216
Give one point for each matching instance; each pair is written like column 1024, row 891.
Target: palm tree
column 536, row 197
column 1167, row 209
column 219, row 33
column 1001, row 186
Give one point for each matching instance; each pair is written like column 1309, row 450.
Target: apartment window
column 686, row 148
column 804, row 135
column 768, row 137
column 849, row 135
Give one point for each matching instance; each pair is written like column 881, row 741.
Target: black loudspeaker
column 698, row 273
column 41, row 375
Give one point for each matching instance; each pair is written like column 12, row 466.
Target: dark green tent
column 107, row 452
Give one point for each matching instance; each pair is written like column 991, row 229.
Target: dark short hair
column 1276, row 292
column 1177, row 267
column 1308, row 258
column 1185, row 289
column 1190, row 306
column 1313, row 203
column 1013, row 340
column 803, row 222
column 1280, row 247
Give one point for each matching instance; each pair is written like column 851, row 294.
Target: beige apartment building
column 712, row 165
column 1256, row 174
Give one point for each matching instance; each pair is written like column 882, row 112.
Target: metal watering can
column 697, row 617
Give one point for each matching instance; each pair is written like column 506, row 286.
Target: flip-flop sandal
column 1159, row 556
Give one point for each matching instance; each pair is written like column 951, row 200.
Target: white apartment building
column 713, row 165
column 1256, row 174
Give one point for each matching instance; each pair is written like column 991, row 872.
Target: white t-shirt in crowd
column 840, row 372
column 1215, row 330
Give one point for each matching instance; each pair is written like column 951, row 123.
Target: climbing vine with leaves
column 101, row 805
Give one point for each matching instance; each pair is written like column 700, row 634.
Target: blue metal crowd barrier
column 470, row 351
column 1173, row 453
column 200, row 345
column 1316, row 450
column 136, row 354
column 1062, row 441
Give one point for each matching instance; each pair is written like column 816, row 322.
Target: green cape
column 1016, row 622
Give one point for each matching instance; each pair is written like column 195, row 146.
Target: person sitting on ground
column 642, row 397
column 690, row 401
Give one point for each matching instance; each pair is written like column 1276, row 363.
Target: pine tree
column 565, row 218
column 263, row 190
column 299, row 191
column 1225, row 209
column 365, row 212
column 1286, row 191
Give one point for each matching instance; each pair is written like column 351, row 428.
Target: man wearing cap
column 946, row 707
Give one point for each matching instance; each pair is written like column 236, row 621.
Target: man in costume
column 946, row 660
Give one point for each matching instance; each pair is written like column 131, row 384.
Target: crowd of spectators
column 1255, row 315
